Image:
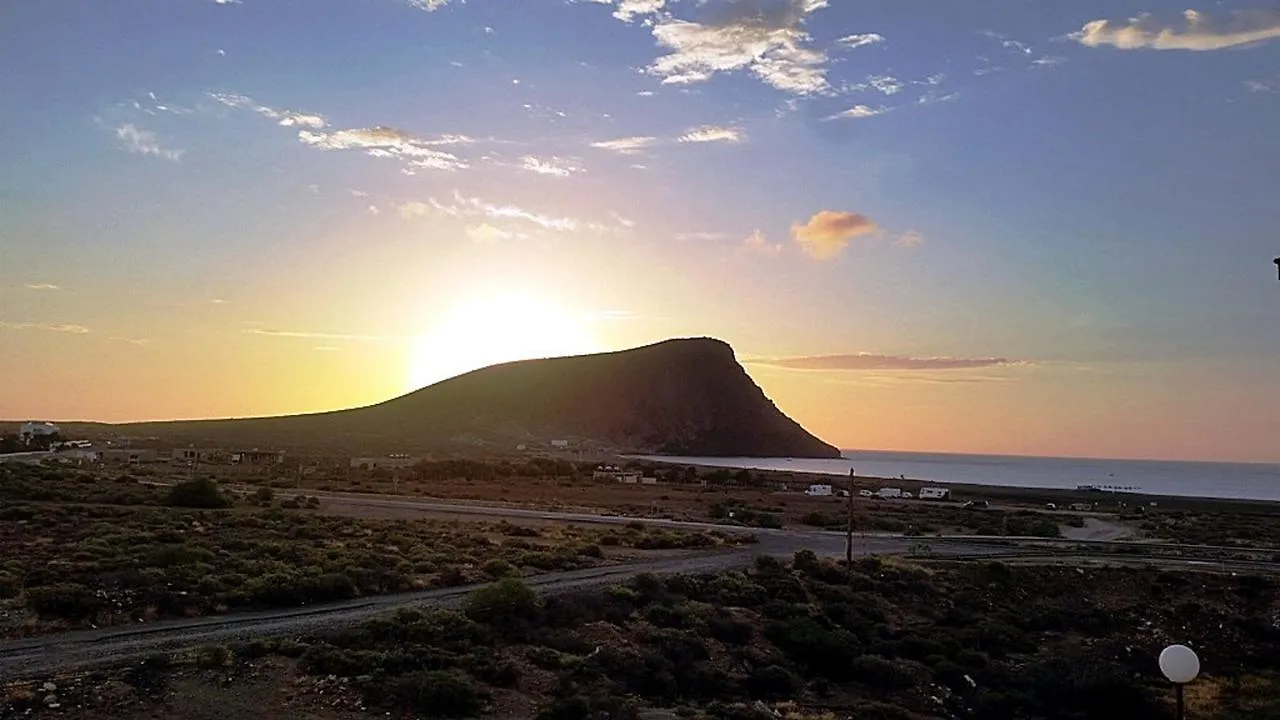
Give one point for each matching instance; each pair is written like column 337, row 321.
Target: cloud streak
column 713, row 133
column 386, row 142
column 860, row 40
column 1200, row 32
column 553, row 166
column 42, row 286
column 311, row 335
column 50, row 327
column 627, row 145
column 873, row 361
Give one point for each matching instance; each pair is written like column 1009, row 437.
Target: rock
column 51, row 700
column 48, row 687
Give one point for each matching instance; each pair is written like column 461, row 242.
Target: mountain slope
column 686, row 396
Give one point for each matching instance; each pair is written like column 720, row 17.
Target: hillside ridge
column 684, row 396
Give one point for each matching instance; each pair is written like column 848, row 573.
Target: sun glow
column 496, row 328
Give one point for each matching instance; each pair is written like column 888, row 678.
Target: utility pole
column 848, row 541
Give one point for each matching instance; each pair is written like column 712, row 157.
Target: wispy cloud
column 886, row 84
column 756, row 243
column 701, row 236
column 462, row 207
column 554, row 166
column 311, row 335
column 713, row 133
column 386, row 142
column 860, row 40
column 378, row 141
column 413, row 209
column 428, row 5
column 486, row 234
column 826, row 235
column 129, row 341
column 873, row 361
column 626, row 145
column 143, row 142
column 42, row 286
column 1199, row 33
column 51, row 327
column 512, row 212
column 768, row 41
column 860, row 111
column 286, row 118
column 910, row 239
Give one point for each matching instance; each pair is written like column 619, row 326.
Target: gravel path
column 118, row 645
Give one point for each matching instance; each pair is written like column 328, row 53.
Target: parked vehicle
column 935, row 493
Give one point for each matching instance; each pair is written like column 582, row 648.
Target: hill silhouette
column 681, row 397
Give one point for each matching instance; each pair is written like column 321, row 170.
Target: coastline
column 993, row 491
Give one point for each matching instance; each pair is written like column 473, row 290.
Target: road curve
column 118, row 645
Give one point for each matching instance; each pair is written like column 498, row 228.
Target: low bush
column 507, row 604
column 199, row 493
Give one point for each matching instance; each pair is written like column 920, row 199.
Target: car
column 977, row 505
column 866, row 493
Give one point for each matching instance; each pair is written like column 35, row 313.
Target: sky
column 993, row 226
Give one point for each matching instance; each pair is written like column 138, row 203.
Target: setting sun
column 495, row 328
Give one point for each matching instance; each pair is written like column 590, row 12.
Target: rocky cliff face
column 686, row 397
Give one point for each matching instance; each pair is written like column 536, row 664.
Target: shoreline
column 991, row 491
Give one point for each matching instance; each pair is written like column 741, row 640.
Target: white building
column 889, row 492
column 34, row 429
column 613, row 473
column 934, row 493
column 818, row 491
column 560, row 444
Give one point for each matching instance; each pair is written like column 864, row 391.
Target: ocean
column 1244, row 481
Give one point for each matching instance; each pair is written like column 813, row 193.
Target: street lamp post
column 848, row 542
column 1180, row 665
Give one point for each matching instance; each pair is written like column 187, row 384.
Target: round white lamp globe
column 1180, row 664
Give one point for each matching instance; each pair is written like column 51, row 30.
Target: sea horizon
column 1184, row 478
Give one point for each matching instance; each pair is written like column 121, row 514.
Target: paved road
column 117, row 645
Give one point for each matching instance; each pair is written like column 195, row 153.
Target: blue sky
column 1086, row 190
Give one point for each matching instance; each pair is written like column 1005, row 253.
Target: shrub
column 64, row 602
column 432, row 693
column 882, row 673
column 202, row 493
column 773, row 682
column 264, row 494
column 213, row 657
column 587, row 708
column 508, row 603
column 9, row 586
column 498, row 568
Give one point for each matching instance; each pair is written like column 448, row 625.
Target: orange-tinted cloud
column 828, row 232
